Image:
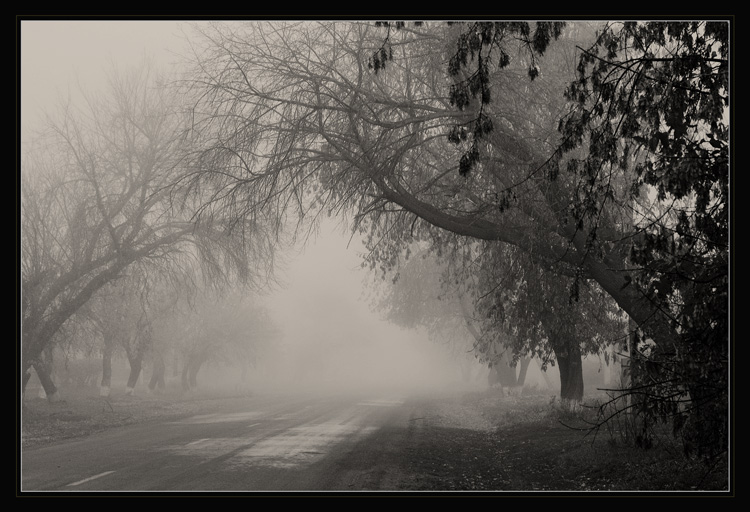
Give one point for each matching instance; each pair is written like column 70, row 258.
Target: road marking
column 197, row 442
column 90, row 478
column 220, row 418
column 382, row 403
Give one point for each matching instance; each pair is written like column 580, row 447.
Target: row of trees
column 107, row 242
column 570, row 175
column 511, row 312
column 564, row 176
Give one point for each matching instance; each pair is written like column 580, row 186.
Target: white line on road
column 90, row 478
column 382, row 403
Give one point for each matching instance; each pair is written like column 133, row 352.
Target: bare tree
column 96, row 198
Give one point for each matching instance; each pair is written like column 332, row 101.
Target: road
column 271, row 443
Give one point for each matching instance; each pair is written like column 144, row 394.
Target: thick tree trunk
column 33, row 356
column 507, row 374
column 503, row 374
column 106, row 384
column 571, row 374
column 568, row 355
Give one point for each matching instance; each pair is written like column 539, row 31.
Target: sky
column 322, row 304
column 56, row 56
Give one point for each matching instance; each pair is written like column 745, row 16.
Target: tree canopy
column 599, row 150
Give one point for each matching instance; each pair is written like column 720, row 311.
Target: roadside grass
column 576, row 451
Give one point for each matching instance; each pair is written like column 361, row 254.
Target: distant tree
column 124, row 314
column 512, row 308
column 412, row 297
column 229, row 328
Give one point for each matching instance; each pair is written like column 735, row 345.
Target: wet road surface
column 271, row 443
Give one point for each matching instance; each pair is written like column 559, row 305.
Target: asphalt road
column 272, row 443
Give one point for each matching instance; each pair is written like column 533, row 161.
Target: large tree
column 459, row 131
column 652, row 119
column 513, row 307
column 536, row 309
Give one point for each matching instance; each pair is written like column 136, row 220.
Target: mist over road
column 265, row 443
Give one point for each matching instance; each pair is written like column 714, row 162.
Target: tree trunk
column 26, row 378
column 567, row 351
column 106, row 384
column 506, row 374
column 525, row 361
column 571, row 374
column 175, row 364
column 502, row 373
column 184, row 379
column 135, row 372
column 195, row 367
column 190, row 371
column 157, row 377
column 44, row 374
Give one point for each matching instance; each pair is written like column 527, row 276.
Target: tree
column 413, row 298
column 124, row 314
column 512, row 307
column 96, row 199
column 291, row 115
column 531, row 307
column 653, row 107
column 227, row 327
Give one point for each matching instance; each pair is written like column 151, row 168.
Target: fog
column 333, row 339
column 330, row 338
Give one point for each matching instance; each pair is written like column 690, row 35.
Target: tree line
column 570, row 178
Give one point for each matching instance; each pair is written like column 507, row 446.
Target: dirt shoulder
column 82, row 414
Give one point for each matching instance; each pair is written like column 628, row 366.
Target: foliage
column 532, row 304
column 484, row 46
column 652, row 117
